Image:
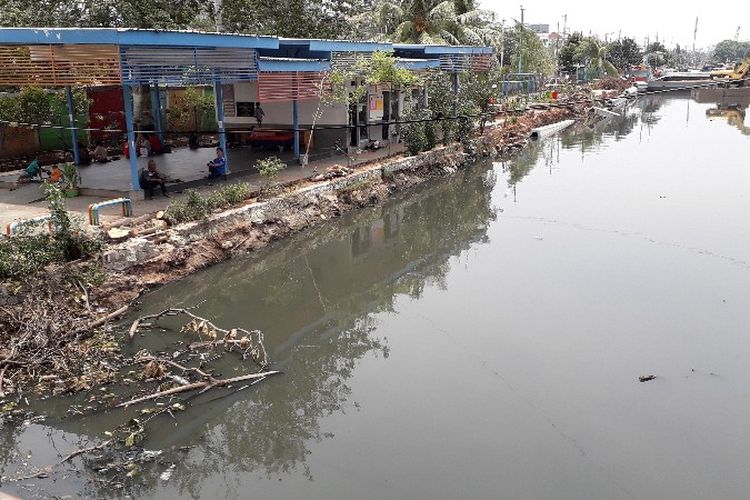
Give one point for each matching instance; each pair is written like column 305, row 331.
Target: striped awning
column 456, row 63
column 288, row 86
column 59, row 65
column 187, row 65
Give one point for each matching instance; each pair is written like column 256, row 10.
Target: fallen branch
column 2, row 375
column 205, row 385
column 85, row 450
column 252, row 342
column 110, row 316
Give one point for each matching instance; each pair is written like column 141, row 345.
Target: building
column 284, row 76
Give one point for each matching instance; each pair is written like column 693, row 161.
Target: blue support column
column 219, row 100
column 127, row 92
column 156, row 111
column 295, row 124
column 72, row 120
column 454, row 80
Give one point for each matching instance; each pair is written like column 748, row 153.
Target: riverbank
column 53, row 323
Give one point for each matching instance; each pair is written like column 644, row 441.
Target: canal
column 482, row 337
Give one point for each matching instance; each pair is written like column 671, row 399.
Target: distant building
column 542, row 31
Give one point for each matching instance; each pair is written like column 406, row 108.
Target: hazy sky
column 673, row 21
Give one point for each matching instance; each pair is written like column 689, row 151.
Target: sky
column 673, row 21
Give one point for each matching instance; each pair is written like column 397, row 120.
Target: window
column 246, row 109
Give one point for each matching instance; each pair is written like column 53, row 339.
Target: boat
column 680, row 80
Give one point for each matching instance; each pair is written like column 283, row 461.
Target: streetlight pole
column 502, row 43
column 520, row 44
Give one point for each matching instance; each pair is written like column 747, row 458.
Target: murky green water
column 482, row 337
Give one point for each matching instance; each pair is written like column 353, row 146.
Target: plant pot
column 72, row 193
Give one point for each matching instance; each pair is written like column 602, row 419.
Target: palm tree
column 594, row 53
column 436, row 22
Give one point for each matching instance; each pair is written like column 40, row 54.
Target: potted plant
column 71, row 179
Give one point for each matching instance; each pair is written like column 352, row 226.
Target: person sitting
column 194, row 141
column 55, row 175
column 150, row 178
column 101, row 155
column 143, row 146
column 218, row 166
column 30, row 172
column 84, row 157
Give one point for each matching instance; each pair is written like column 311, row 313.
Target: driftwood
column 205, row 385
column 85, row 450
column 110, row 316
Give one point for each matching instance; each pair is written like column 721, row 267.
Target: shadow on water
column 314, row 297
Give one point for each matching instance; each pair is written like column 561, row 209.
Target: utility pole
column 502, row 43
column 520, row 44
column 695, row 33
column 565, row 25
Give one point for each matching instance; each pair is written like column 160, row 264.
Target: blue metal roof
column 57, row 36
column 438, row 50
column 418, row 64
column 132, row 37
column 347, row 46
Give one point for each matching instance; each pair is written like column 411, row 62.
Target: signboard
column 376, row 107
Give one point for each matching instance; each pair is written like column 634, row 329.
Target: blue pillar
column 295, row 122
column 72, row 120
column 219, row 100
column 127, row 92
column 156, row 111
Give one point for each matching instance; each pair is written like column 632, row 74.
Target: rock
column 117, row 233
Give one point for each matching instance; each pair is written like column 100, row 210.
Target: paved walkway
column 28, row 200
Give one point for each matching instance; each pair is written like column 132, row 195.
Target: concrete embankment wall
column 138, row 251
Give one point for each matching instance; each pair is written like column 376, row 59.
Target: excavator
column 738, row 74
column 734, row 114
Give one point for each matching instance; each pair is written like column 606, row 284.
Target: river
column 482, row 337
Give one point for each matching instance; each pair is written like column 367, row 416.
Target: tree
column 291, row 18
column 657, row 54
column 433, row 21
column 731, row 51
column 567, row 56
column 157, row 14
column 592, row 53
column 624, row 53
column 536, row 57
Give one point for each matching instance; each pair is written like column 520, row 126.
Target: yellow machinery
column 740, row 72
column 735, row 116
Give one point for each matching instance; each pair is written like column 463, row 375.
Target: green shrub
column 33, row 246
column 195, row 206
column 414, row 134
column 269, row 168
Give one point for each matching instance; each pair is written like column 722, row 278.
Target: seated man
column 150, row 178
column 31, row 171
column 84, row 157
column 194, row 141
column 101, row 155
column 218, row 166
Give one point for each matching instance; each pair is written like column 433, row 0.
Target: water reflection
column 315, row 298
column 731, row 104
